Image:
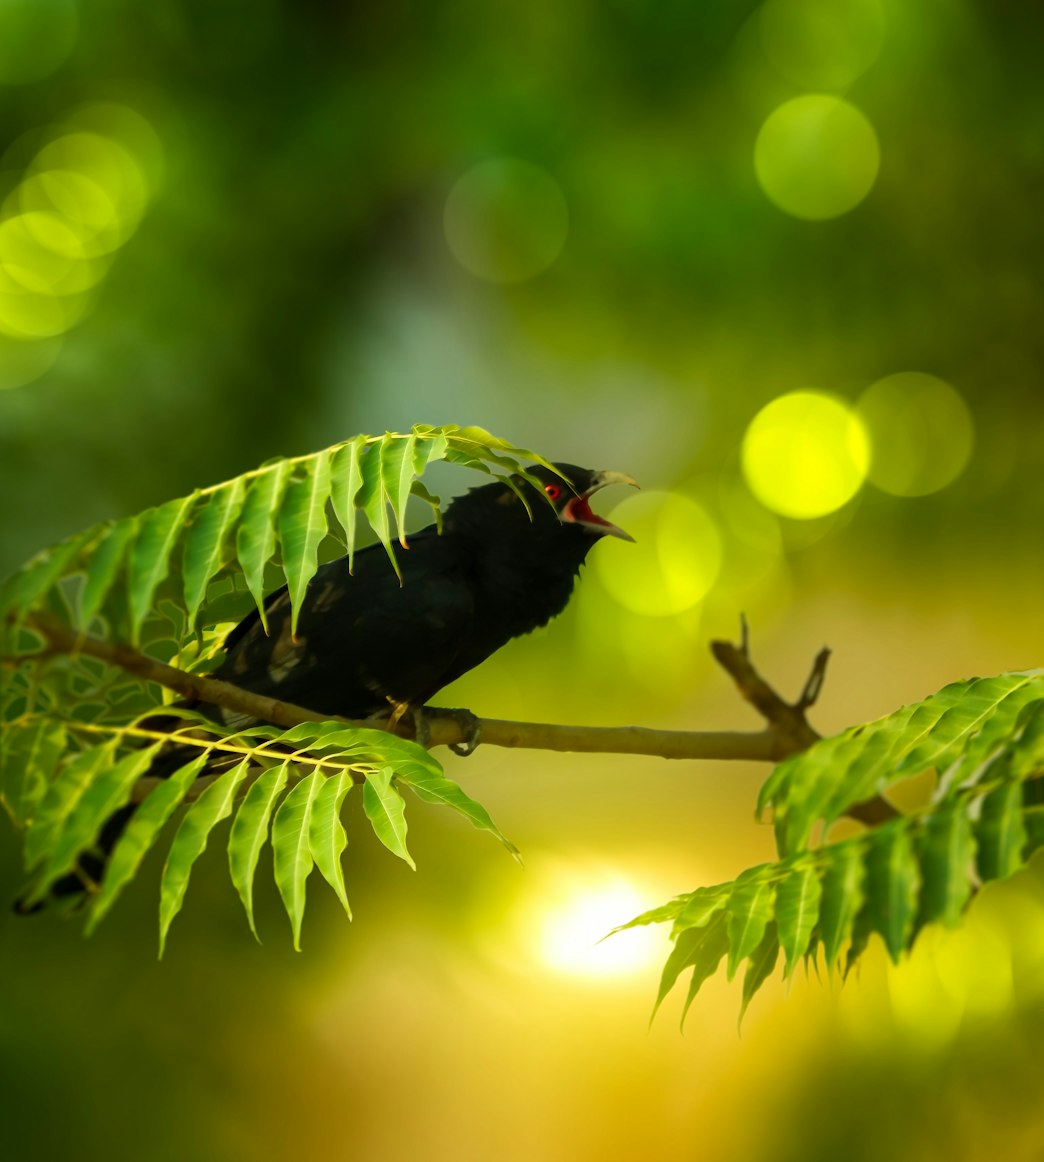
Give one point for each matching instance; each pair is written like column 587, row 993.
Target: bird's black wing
column 363, row 641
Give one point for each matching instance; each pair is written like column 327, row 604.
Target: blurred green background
column 236, row 229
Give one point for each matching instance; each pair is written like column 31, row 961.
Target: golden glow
column 821, row 44
column 674, row 562
column 506, row 220
column 805, row 454
column 921, row 432
column 578, row 906
column 816, row 157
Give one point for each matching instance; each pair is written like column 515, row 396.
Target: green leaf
column 436, row 788
column 148, row 561
column 103, row 568
column 843, row 895
column 302, row 526
column 291, row 854
column 955, row 730
column 386, row 812
column 419, row 490
column 23, row 589
column 759, row 967
column 109, row 789
column 249, row 832
column 345, row 482
column 397, row 470
column 749, row 910
column 28, row 760
column 701, row 905
column 704, row 953
column 373, row 496
column 60, row 799
column 326, row 836
column 256, row 535
column 206, row 542
column 139, row 835
column 190, row 841
column 797, row 912
column 1001, row 832
column 659, row 915
column 946, row 850
column 892, row 882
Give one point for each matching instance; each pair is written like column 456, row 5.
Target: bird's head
column 564, row 509
column 570, row 495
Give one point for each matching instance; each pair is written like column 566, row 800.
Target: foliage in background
column 985, row 740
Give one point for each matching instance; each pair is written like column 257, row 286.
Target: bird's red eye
column 553, row 491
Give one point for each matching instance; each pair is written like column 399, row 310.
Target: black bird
column 366, row 644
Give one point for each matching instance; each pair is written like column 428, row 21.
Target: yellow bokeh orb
column 821, row 44
column 506, row 220
column 816, row 157
column 674, row 562
column 805, row 454
column 921, row 431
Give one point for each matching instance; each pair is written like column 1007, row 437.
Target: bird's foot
column 470, row 727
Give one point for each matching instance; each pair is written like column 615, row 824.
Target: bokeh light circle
column 821, row 44
column 805, row 454
column 506, row 220
column 674, row 562
column 921, row 432
column 36, row 37
column 816, row 157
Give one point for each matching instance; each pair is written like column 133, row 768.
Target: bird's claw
column 470, row 726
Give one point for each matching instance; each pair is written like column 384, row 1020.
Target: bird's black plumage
column 365, row 643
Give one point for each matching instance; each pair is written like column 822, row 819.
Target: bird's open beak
column 578, row 510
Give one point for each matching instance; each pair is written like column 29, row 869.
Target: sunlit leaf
column 704, row 956
column 302, row 526
column 749, row 910
column 436, row 788
column 326, row 835
column 843, row 895
column 946, row 849
column 60, row 800
column 249, row 832
column 797, row 912
column 256, row 535
column 397, row 471
column 24, row 588
column 291, row 853
column 1001, row 832
column 190, row 841
column 386, row 812
column 206, row 542
column 893, row 879
column 28, row 759
column 148, row 559
column 345, row 482
column 103, row 568
column 373, row 496
column 109, row 789
column 139, row 835
column 759, row 966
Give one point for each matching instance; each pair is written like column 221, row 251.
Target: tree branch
column 787, row 732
